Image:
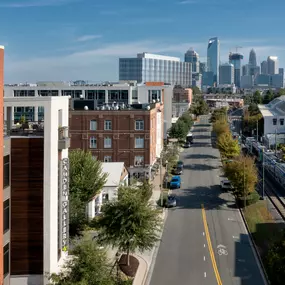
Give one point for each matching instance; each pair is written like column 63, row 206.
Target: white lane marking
column 204, row 245
column 230, row 219
column 203, row 233
column 205, row 274
column 204, row 258
column 235, row 237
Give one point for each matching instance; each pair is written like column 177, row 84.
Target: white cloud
column 102, row 63
column 86, row 38
column 36, row 3
column 185, row 2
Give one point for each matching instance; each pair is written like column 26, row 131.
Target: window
column 107, row 158
column 93, row 125
column 281, row 122
column 108, row 125
column 274, row 122
column 6, row 259
column 139, row 125
column 107, row 142
column 6, row 215
column 139, row 160
column 139, row 142
column 105, row 198
column 93, row 142
column 6, row 170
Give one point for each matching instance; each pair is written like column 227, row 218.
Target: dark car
column 187, row 145
column 180, row 164
column 178, row 170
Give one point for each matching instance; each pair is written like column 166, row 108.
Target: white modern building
column 39, row 190
column 102, row 94
column 274, row 117
column 117, row 176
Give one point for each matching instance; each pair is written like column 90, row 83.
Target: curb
column 137, row 280
column 255, row 248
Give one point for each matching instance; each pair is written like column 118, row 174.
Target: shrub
column 250, row 199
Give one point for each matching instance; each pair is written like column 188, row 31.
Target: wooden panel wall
column 27, row 156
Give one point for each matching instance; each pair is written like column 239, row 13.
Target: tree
column 242, row 173
column 269, row 96
column 130, row 223
column 199, row 107
column 281, row 92
column 220, row 127
column 186, row 118
column 89, row 266
column 179, row 130
column 275, row 262
column 253, row 109
column 195, row 90
column 219, row 114
column 228, row 147
column 257, row 98
column 86, row 180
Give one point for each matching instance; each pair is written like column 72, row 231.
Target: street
column 204, row 239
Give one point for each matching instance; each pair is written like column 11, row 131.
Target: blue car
column 175, row 182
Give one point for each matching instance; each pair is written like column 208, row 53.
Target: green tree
column 281, row 92
column 242, row 173
column 257, row 98
column 130, row 223
column 253, row 109
column 220, row 127
column 186, row 118
column 195, row 90
column 90, row 266
column 228, row 147
column 86, row 180
column 179, row 130
column 269, row 96
column 219, row 114
column 275, row 262
column 199, row 107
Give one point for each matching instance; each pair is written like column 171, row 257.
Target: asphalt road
column 204, row 249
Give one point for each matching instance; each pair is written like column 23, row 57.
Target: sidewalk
column 146, row 261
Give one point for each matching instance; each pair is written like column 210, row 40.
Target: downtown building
column 213, row 62
column 148, row 67
column 132, row 134
column 235, row 59
column 36, row 192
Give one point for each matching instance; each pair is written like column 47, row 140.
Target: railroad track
column 272, row 195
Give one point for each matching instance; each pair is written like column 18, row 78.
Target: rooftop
column 157, row 56
column 1, row 47
column 114, row 169
column 274, row 108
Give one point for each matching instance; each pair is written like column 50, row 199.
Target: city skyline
column 88, row 46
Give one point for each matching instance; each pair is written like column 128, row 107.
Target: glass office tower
column 235, row 59
column 193, row 57
column 213, row 58
column 155, row 68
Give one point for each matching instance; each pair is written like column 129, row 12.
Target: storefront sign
column 64, row 203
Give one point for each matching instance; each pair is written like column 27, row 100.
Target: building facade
column 131, row 134
column 247, row 81
column 193, row 57
column 264, row 67
column 236, row 60
column 98, row 94
column 226, row 73
column 148, row 67
column 182, row 100
column 5, row 194
column 213, row 58
column 272, row 65
column 39, row 191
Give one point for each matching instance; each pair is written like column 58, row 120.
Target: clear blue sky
column 83, row 39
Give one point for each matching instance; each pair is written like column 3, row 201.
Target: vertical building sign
column 64, row 203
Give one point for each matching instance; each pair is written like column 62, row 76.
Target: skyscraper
column 193, row 57
column 264, row 69
column 202, row 67
column 252, row 58
column 235, row 59
column 272, row 65
column 226, row 73
column 213, row 58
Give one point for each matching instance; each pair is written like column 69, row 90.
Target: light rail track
column 273, row 196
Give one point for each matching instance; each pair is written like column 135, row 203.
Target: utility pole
column 244, row 183
column 257, row 130
column 263, row 174
column 161, row 194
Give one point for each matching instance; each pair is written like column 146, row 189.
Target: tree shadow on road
column 200, row 167
column 211, row 197
column 197, row 137
column 201, row 156
column 201, row 144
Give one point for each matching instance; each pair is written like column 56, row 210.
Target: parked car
column 180, row 164
column 175, row 182
column 226, row 185
column 187, row 145
column 171, row 201
column 178, row 170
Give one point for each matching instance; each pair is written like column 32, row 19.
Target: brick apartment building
column 132, row 134
column 181, row 101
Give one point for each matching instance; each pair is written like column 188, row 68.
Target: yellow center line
column 212, row 255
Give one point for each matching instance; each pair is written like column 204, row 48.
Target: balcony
column 25, row 129
column 63, row 138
